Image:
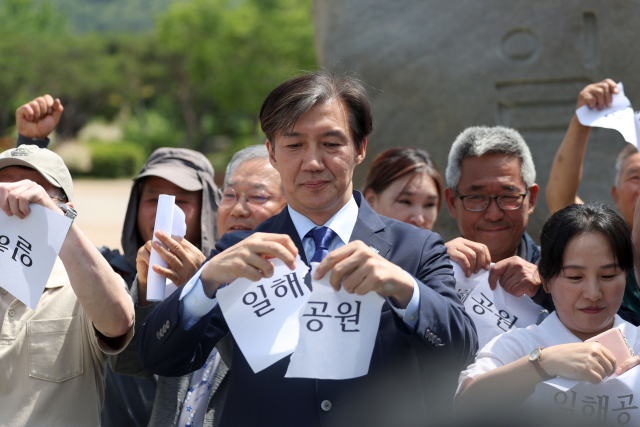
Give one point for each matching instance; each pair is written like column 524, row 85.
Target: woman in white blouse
column 586, row 256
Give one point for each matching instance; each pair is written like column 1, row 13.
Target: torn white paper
column 28, row 250
column 494, row 312
column 619, row 116
column 337, row 333
column 614, row 401
column 171, row 221
column 263, row 315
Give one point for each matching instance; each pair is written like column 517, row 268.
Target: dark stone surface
column 437, row 67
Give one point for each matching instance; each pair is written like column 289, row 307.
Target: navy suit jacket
column 411, row 376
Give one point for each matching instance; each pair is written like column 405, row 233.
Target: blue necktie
column 322, row 237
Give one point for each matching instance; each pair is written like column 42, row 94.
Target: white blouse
column 518, row 343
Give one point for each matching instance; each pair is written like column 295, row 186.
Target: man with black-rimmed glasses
column 491, row 192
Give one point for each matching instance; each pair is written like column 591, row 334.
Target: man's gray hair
column 481, row 140
column 626, row 152
column 251, row 152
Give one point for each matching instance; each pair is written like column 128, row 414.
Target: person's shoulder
column 229, row 239
column 108, row 253
column 409, row 233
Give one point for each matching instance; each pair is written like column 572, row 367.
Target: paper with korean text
column 263, row 315
column 493, row 312
column 28, row 250
column 337, row 333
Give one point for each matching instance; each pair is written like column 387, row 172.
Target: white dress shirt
column 196, row 304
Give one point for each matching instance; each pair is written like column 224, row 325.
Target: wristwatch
column 68, row 211
column 534, row 358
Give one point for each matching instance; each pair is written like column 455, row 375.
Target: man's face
column 500, row 230
column 625, row 194
column 15, row 174
column 253, row 180
column 189, row 201
column 316, row 160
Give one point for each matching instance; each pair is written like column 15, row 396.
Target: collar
column 58, row 276
column 342, row 223
column 561, row 335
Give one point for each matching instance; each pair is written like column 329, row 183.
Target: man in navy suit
column 317, row 126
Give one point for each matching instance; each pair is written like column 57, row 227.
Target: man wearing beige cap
column 54, row 358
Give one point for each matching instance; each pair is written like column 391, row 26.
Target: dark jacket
column 130, row 400
column 403, row 385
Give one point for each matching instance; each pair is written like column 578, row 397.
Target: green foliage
column 150, row 130
column 110, row 15
column 197, row 79
column 118, row 160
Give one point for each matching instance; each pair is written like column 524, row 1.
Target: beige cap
column 49, row 164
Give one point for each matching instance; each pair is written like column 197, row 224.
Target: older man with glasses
column 252, row 191
column 491, row 192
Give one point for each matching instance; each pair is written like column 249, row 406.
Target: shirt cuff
column 410, row 314
column 196, row 304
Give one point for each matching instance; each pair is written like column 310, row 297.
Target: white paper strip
column 263, row 315
column 28, row 250
column 337, row 333
column 170, row 220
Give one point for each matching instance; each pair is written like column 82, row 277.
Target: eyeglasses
column 507, row 202
column 255, row 198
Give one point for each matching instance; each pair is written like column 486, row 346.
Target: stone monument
column 437, row 67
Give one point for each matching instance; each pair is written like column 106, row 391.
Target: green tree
column 227, row 55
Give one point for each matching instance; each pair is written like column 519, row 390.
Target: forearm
column 98, row 288
column 566, row 171
column 505, row 387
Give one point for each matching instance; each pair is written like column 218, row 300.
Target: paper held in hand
column 331, row 334
column 263, row 315
column 493, row 312
column 28, row 250
column 614, row 401
column 619, row 116
column 337, row 333
column 171, row 221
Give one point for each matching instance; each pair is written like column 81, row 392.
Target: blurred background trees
column 150, row 73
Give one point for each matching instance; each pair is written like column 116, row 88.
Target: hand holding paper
column 358, row 269
column 494, row 312
column 250, row 259
column 28, row 250
column 170, row 220
column 337, row 333
column 263, row 315
column 619, row 116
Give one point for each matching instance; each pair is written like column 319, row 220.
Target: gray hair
column 626, row 152
column 481, row 140
column 251, row 152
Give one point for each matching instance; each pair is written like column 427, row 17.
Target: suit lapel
column 369, row 228
column 282, row 224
